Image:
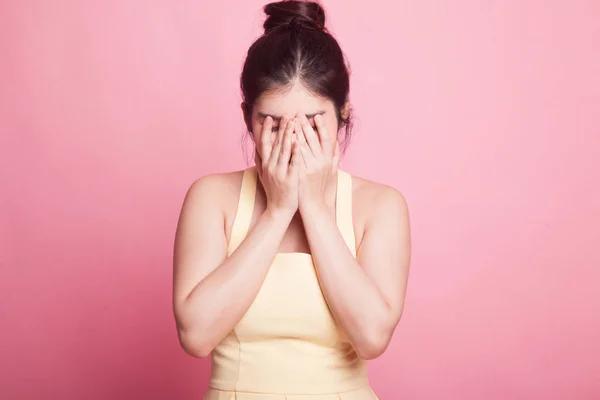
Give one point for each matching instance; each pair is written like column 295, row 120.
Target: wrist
column 278, row 214
column 314, row 206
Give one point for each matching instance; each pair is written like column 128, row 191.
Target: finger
column 336, row 156
column 286, row 148
column 325, row 139
column 276, row 150
column 265, row 139
column 307, row 155
column 312, row 139
column 301, row 137
column 296, row 158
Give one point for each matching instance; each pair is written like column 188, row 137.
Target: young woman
column 291, row 273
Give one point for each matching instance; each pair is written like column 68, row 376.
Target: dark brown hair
column 296, row 46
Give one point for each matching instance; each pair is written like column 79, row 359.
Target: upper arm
column 384, row 252
column 200, row 240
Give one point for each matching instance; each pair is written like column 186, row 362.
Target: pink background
column 486, row 114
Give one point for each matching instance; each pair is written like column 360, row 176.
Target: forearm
column 355, row 301
column 219, row 301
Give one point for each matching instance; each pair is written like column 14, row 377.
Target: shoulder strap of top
column 245, row 209
column 343, row 209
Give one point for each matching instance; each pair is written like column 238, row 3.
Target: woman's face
column 289, row 104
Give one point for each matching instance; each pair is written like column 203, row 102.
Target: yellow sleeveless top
column 287, row 346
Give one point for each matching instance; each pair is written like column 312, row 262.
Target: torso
column 288, row 342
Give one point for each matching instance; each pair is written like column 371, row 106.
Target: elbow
column 193, row 344
column 376, row 339
column 373, row 345
column 192, row 335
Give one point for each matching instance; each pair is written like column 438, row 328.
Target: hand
column 320, row 158
column 277, row 164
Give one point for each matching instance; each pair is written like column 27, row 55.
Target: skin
column 297, row 164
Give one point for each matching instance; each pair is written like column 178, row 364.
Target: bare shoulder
column 220, row 184
column 211, row 202
column 217, row 193
column 373, row 199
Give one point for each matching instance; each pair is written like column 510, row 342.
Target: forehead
column 290, row 102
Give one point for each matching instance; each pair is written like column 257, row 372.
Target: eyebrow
column 278, row 117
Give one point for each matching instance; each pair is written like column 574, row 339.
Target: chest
column 290, row 304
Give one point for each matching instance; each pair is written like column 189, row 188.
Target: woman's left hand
column 320, row 155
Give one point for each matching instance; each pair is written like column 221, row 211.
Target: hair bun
column 293, row 14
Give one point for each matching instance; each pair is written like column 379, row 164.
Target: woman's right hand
column 277, row 161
